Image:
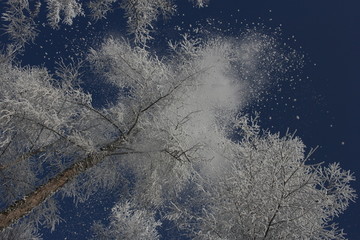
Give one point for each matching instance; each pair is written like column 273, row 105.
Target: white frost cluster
column 126, row 222
column 69, row 9
column 141, row 15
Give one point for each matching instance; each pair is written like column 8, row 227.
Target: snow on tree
column 21, row 15
column 263, row 187
column 52, row 134
column 168, row 139
column 69, row 9
column 20, row 232
column 128, row 223
column 21, row 26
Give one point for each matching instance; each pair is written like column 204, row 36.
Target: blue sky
column 327, row 107
column 322, row 105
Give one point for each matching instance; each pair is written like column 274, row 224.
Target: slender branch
column 7, row 146
column 130, row 152
column 163, row 97
column 21, row 158
column 177, row 154
column 134, row 124
column 100, row 114
column 131, row 67
column 174, row 88
column 271, row 221
column 185, row 119
column 51, row 130
column 27, row 155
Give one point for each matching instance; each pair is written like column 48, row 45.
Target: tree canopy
column 175, row 140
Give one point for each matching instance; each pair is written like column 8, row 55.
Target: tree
column 263, row 187
column 167, row 137
column 21, row 15
column 71, row 136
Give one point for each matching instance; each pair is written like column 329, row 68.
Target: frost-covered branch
column 141, row 15
column 21, row 26
column 265, row 189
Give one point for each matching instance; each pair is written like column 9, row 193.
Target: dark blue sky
column 328, row 33
column 327, row 108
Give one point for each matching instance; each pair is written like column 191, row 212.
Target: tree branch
column 24, row 206
column 100, row 114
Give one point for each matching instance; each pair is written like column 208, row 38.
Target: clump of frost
column 127, row 222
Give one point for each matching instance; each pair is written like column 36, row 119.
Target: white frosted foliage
column 173, row 142
column 127, row 222
column 69, row 9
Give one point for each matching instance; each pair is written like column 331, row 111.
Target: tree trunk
column 22, row 207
